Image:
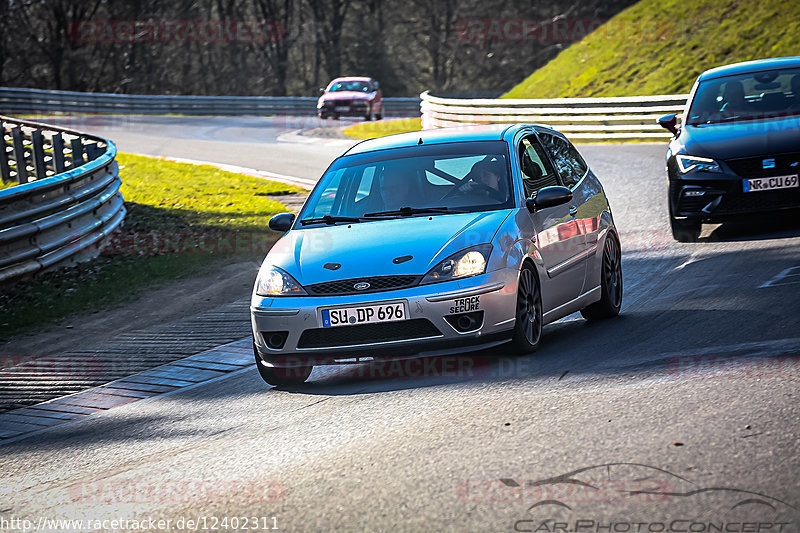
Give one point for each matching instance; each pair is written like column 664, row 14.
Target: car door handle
column 573, row 210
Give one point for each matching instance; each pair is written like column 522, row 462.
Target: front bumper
column 719, row 196
column 431, row 327
column 357, row 108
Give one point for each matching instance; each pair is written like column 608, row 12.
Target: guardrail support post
column 76, row 159
column 38, row 154
column 93, row 151
column 19, row 155
column 58, row 153
column 5, row 171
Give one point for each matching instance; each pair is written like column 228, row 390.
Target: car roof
column 747, row 67
column 352, row 78
column 490, row 132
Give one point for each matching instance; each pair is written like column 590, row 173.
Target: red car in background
column 351, row 97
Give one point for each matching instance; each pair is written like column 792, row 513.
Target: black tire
column 686, row 230
column 528, row 323
column 335, row 116
column 277, row 376
column 379, row 116
column 368, row 116
column 610, row 283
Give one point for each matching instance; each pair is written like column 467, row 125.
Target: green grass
column 183, row 221
column 660, row 47
column 370, row 130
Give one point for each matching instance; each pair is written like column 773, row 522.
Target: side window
column 568, row 161
column 536, row 169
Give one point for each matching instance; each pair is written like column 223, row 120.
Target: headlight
column 273, row 281
column 688, row 163
column 466, row 263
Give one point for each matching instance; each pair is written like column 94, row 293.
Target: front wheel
column 528, row 324
column 686, row 230
column 277, row 376
column 610, row 283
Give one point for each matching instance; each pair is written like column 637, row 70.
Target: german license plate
column 367, row 314
column 770, row 184
column 342, row 108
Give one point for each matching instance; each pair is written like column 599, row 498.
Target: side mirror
column 548, row 197
column 669, row 123
column 322, row 90
column 282, row 222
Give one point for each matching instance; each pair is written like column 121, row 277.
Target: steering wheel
column 475, row 185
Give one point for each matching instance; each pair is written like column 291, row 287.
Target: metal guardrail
column 631, row 117
column 26, row 101
column 65, row 200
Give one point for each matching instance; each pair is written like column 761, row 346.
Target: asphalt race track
column 681, row 414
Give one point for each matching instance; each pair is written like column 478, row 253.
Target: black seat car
column 738, row 149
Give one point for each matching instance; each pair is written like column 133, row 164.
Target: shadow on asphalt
column 781, row 225
column 696, row 322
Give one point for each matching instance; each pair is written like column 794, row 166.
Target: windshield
column 358, row 86
column 766, row 94
column 415, row 181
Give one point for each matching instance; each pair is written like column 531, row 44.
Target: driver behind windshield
column 397, row 185
column 485, row 179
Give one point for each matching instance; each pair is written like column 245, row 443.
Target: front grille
column 759, row 201
column 376, row 284
column 752, row 167
column 417, row 328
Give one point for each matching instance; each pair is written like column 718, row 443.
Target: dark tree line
column 285, row 47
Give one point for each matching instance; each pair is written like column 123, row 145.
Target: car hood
column 742, row 139
column 346, row 95
column 370, row 248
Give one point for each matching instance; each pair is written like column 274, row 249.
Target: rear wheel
column 686, row 230
column 282, row 376
column 528, row 324
column 610, row 283
column 379, row 115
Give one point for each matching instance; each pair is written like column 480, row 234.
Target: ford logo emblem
column 361, row 286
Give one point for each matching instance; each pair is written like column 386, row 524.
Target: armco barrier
column 65, row 200
column 26, row 101
column 631, row 117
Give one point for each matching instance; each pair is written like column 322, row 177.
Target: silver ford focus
column 432, row 243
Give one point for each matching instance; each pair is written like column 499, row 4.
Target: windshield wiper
column 329, row 219
column 410, row 211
